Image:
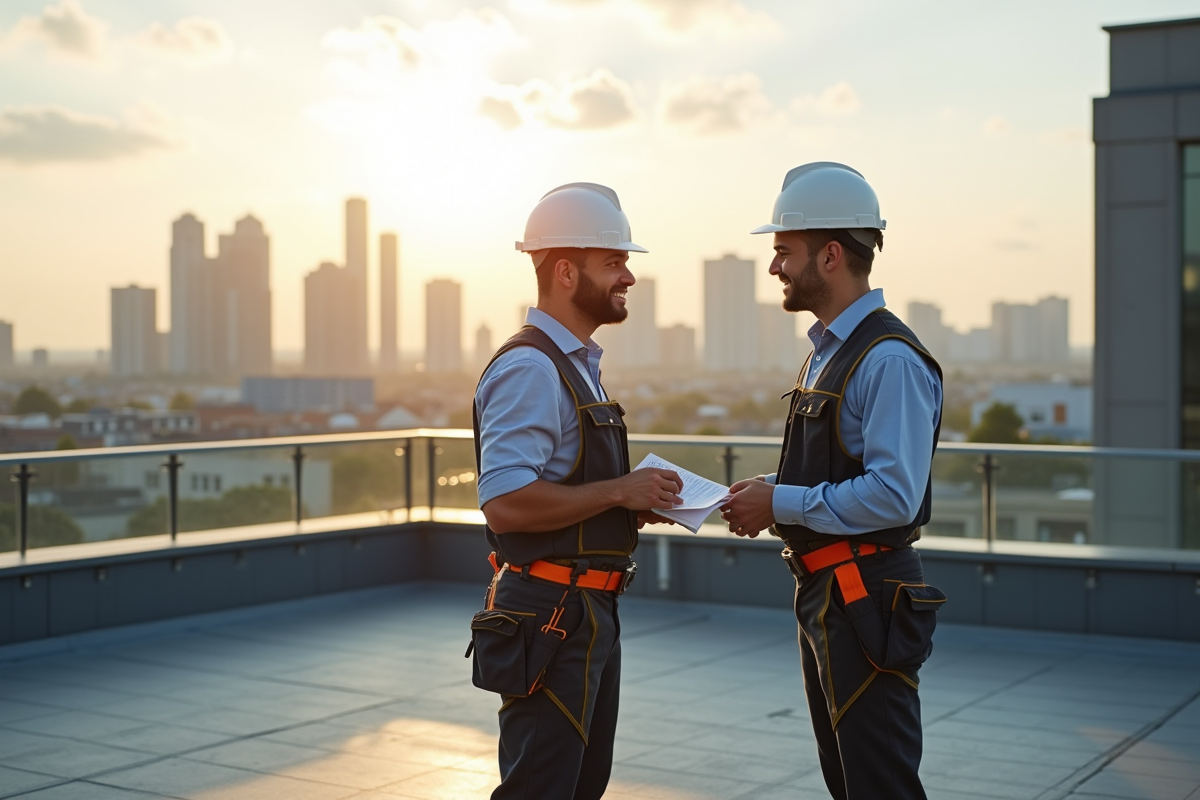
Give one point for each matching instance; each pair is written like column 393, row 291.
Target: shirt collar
column 558, row 333
column 855, row 313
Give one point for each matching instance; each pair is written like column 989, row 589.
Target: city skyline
column 985, row 177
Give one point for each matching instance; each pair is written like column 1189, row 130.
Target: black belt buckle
column 627, row 578
column 794, row 563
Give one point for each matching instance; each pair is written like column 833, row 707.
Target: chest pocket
column 605, row 414
column 811, row 404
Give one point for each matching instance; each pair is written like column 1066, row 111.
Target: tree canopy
column 36, row 400
column 1000, row 424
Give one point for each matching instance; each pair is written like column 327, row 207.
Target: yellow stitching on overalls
column 825, row 641
column 566, row 713
column 587, row 664
column 837, row 717
column 506, row 704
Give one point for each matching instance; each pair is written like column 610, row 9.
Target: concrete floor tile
column 84, row 790
column 198, row 781
column 68, row 758
column 1142, row 787
column 18, row 781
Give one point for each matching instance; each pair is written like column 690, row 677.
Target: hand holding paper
column 700, row 495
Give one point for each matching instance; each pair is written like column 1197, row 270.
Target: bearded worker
column 562, row 507
column 852, row 489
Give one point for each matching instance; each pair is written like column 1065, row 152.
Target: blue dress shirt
column 892, row 406
column 528, row 426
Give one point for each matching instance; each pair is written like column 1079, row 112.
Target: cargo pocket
column 498, row 642
column 910, row 633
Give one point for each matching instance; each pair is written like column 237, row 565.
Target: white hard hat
column 825, row 195
column 578, row 215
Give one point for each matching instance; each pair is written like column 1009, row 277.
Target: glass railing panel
column 454, row 478
column 1042, row 498
column 957, row 496
column 360, row 477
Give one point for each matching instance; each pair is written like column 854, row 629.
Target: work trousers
column 860, row 676
column 557, row 743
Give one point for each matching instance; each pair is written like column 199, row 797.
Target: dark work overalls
column 865, row 620
column 553, row 651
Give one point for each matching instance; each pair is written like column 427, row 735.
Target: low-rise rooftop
column 366, row 695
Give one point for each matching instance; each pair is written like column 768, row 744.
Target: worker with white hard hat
column 853, row 488
column 561, row 505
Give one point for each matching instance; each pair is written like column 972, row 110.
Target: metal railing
column 753, row 454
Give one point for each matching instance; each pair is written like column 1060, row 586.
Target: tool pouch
column 910, row 631
column 511, row 654
column 498, row 642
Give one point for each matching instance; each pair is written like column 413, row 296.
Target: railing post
column 729, row 458
column 988, row 467
column 298, row 471
column 408, row 498
column 22, row 477
column 431, row 452
column 172, row 465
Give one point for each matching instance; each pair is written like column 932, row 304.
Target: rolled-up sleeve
column 898, row 400
column 520, row 427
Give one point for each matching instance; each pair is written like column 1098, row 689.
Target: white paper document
column 700, row 495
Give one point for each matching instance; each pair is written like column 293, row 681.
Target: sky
column 972, row 122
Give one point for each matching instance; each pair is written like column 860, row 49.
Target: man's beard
column 597, row 303
column 808, row 291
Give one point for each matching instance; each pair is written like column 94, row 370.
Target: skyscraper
column 1031, row 334
column 443, row 326
column 634, row 343
column 777, row 345
column 484, row 350
column 730, row 315
column 134, row 342
column 241, row 302
column 329, row 343
column 189, row 295
column 356, row 268
column 7, row 357
column 220, row 307
column 389, row 280
column 925, row 319
column 677, row 346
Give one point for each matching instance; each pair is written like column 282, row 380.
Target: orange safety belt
column 850, row 582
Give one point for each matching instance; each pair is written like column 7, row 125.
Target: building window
column 217, row 483
column 1190, row 342
column 1060, row 413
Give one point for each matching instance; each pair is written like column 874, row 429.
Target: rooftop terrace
column 365, row 694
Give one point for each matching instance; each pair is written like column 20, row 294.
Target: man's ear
column 833, row 253
column 565, row 272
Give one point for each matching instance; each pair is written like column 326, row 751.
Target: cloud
column 596, row 102
column 467, row 39
column 1014, row 245
column 838, row 100
column 996, row 126
column 676, row 18
column 65, row 30
column 707, row 106
column 46, row 134
column 501, row 111
column 194, row 39
column 1066, row 136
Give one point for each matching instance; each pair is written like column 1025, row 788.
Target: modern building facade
column 356, row 315
column 7, row 350
column 330, row 345
column 389, row 298
column 484, row 348
column 220, row 306
column 443, row 326
column 634, row 343
column 1147, row 357
column 677, row 345
column 730, row 315
column 778, row 348
column 134, row 331
column 271, row 395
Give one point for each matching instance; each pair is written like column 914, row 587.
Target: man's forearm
column 546, row 506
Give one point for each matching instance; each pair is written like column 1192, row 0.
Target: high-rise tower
column 189, row 293
column 389, row 279
column 134, row 342
column 443, row 326
column 356, row 270
column 730, row 315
